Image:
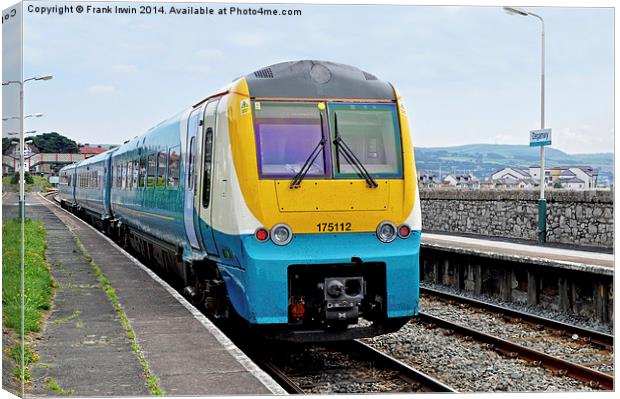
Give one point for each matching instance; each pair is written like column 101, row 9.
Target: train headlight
column 281, row 234
column 386, row 231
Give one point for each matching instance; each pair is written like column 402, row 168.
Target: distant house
column 510, row 173
column 461, row 181
column 510, row 183
column 428, row 180
column 90, row 150
column 563, row 174
column 573, row 183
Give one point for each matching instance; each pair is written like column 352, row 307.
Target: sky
column 467, row 74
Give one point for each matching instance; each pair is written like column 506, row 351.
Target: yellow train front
column 314, row 205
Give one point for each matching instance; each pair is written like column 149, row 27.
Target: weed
column 53, row 385
column 151, row 380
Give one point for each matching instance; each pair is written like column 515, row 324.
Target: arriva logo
column 244, row 106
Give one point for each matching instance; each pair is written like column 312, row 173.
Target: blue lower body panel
column 256, row 273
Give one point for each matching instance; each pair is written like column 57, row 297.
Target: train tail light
column 261, row 234
column 298, row 309
column 404, row 231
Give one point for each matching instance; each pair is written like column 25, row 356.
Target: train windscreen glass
column 372, row 133
column 286, row 134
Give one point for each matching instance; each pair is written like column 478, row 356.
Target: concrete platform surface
column 85, row 347
column 568, row 258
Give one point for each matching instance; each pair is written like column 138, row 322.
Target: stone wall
column 573, row 217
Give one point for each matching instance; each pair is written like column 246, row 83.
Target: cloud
column 128, row 68
column 210, row 53
column 507, row 139
column 584, row 139
column 197, row 68
column 101, row 89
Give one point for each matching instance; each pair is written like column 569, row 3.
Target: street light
column 542, row 204
column 22, row 193
column 27, row 116
column 14, row 133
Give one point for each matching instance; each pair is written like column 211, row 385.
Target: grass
column 38, row 285
column 38, row 181
column 42, row 181
column 53, row 385
column 151, row 380
column 38, row 280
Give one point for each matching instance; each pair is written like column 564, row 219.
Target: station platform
column 534, row 254
column 86, row 348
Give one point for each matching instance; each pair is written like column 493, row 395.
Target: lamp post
column 22, row 197
column 542, row 203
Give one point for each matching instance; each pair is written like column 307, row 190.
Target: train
column 287, row 200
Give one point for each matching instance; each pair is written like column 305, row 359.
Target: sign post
column 541, row 138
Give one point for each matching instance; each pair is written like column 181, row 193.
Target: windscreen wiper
column 351, row 158
column 296, row 182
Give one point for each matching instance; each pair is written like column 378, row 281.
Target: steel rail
column 408, row 373
column 592, row 377
column 280, row 377
column 597, row 337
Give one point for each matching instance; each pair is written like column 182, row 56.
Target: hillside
column 483, row 159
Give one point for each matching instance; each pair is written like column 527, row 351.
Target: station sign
column 540, row 137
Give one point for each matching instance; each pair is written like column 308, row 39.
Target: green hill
column 483, row 159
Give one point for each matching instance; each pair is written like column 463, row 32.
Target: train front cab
column 328, row 269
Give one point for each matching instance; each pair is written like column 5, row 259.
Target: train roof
column 317, row 79
column 97, row 158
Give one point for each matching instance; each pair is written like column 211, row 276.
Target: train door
column 194, row 125
column 206, row 166
column 106, row 180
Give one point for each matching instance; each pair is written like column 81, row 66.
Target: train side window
column 206, row 182
column 142, row 172
column 135, row 177
column 174, row 170
column 192, row 155
column 123, row 176
column 130, row 174
column 127, row 180
column 150, row 180
column 161, row 169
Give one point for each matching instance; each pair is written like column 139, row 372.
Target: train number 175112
column 333, row 227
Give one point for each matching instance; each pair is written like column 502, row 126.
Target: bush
column 27, row 178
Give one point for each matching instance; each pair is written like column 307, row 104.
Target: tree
column 54, row 143
column 27, row 178
column 6, row 145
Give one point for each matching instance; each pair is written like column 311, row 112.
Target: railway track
column 556, row 346
column 345, row 367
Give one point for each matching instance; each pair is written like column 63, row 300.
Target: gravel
column 466, row 365
column 570, row 348
column 320, row 370
column 582, row 321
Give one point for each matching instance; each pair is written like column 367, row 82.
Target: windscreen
column 286, row 135
column 372, row 133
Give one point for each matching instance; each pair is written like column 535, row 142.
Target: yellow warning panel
column 332, row 195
